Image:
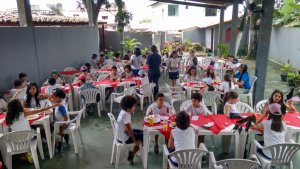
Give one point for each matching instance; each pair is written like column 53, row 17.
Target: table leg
column 48, row 136
column 145, row 147
column 240, row 144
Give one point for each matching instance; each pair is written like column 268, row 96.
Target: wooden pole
column 263, row 49
column 221, row 31
column 233, row 33
column 24, row 11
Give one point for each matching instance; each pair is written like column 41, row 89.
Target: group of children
column 183, row 136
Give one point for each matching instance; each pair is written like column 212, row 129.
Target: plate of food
column 172, row 124
column 156, row 119
column 164, row 118
column 32, row 117
column 208, row 125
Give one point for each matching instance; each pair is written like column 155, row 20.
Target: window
column 104, row 17
column 210, row 12
column 173, row 10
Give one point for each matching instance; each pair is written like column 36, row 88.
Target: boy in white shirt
column 197, row 107
column 125, row 133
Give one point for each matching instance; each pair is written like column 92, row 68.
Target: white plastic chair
column 20, row 142
column 88, row 96
column 210, row 98
column 232, row 163
column 282, row 154
column 244, row 108
column 260, row 106
column 249, row 94
column 73, row 129
column 186, row 159
column 69, row 69
column 146, row 90
column 68, row 78
column 185, row 104
column 116, row 143
column 102, row 77
column 175, row 93
column 117, row 97
column 107, row 66
column 145, row 80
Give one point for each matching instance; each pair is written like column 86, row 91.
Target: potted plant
column 296, row 79
column 285, row 70
column 291, row 76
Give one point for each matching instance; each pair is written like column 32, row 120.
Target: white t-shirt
column 174, row 64
column 21, row 124
column 33, row 103
column 272, row 137
column 183, row 139
column 189, row 78
column 159, row 111
column 191, row 110
column 234, row 108
column 190, row 60
column 58, row 81
column 224, row 86
column 3, row 105
column 50, row 88
column 136, row 62
column 21, row 95
column 123, row 119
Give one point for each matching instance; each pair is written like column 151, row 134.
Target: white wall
column 285, row 46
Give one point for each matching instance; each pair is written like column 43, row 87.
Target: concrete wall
column 285, row 46
column 196, row 35
column 37, row 51
column 113, row 39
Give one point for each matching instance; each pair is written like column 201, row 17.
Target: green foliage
column 288, row 16
column 188, row 45
column 110, row 54
column 286, row 68
column 224, row 49
column 144, row 51
column 286, row 8
column 130, row 44
column 123, row 17
column 197, row 47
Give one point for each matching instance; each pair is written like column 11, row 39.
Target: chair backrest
column 145, row 80
column 78, row 116
column 101, row 77
column 189, row 158
column 69, row 69
column 210, row 97
column 114, row 125
column 147, row 89
column 18, row 141
column 238, row 163
column 68, row 78
column 90, row 95
column 109, row 62
column 185, row 104
column 244, row 107
column 129, row 91
column 252, row 82
column 282, row 154
column 260, row 105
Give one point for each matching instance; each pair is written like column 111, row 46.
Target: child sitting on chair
column 159, row 108
column 125, row 133
column 197, row 107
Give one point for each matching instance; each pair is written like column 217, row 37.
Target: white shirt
column 174, row 64
column 123, row 119
column 58, row 81
column 224, row 86
column 33, row 103
column 21, row 124
column 136, row 62
column 183, row 139
column 272, row 137
column 3, row 105
column 21, row 95
column 159, row 111
column 234, row 109
column 191, row 110
column 189, row 78
column 49, row 89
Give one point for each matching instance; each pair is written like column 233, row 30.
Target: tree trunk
column 93, row 12
column 254, row 28
column 242, row 48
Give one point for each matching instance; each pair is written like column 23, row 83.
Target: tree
column 93, row 8
column 123, row 17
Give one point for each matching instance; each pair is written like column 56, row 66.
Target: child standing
column 173, row 65
column 277, row 97
column 274, row 129
column 183, row 136
column 160, row 107
column 125, row 133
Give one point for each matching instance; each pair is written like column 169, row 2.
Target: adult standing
column 136, row 61
column 154, row 61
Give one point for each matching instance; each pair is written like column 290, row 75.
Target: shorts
column 135, row 72
column 174, row 75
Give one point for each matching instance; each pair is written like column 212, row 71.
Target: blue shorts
column 138, row 134
column 135, row 72
column 174, row 75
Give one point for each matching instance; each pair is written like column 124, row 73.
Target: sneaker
column 156, row 149
column 29, row 157
column 58, row 147
column 130, row 157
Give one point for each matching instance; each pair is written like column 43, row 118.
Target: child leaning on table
column 182, row 137
column 159, row 108
column 274, row 129
column 124, row 127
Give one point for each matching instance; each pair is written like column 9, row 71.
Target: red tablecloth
column 2, row 115
column 165, row 132
column 221, row 121
column 66, row 89
column 203, row 120
column 292, row 119
column 117, row 81
column 145, row 67
column 192, row 84
column 73, row 72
